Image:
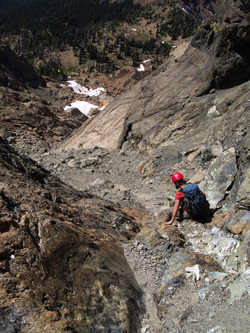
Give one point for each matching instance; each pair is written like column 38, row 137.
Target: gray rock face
column 220, row 177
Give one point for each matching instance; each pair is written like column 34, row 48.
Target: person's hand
column 167, row 223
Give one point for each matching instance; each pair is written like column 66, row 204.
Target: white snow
column 145, row 61
column 134, row 29
column 141, row 68
column 84, row 107
column 83, row 90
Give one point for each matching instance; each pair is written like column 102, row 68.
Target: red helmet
column 176, row 176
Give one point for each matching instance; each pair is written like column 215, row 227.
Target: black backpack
column 195, row 201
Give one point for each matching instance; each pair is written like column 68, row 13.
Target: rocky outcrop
column 226, row 38
column 62, row 264
column 16, row 72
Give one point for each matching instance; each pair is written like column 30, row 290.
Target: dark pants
column 181, row 214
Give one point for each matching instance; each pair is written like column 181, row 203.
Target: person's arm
column 176, row 207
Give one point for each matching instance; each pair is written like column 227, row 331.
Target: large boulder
column 62, row 262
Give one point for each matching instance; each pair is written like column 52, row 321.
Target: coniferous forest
column 41, row 28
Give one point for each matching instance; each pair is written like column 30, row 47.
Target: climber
column 190, row 202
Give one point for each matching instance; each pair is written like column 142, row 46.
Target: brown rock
column 149, row 236
column 39, row 109
column 161, row 216
column 203, row 260
column 62, row 262
column 137, row 107
column 237, row 228
column 74, row 112
column 174, row 235
column 220, row 219
column 93, row 112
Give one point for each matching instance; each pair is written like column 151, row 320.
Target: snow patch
column 84, row 90
column 84, row 107
column 141, row 68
